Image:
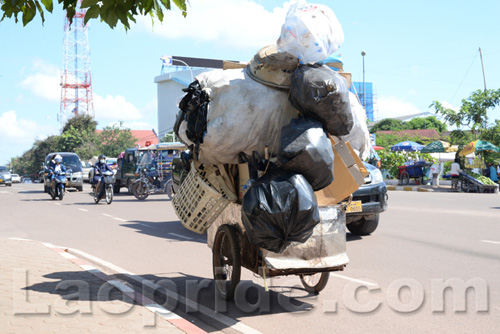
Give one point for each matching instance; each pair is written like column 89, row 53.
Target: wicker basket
column 198, row 203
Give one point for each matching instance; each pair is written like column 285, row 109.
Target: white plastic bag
column 310, row 32
column 243, row 116
column 359, row 137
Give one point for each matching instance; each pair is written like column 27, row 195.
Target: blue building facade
column 365, row 96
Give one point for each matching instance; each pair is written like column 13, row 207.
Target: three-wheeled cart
column 416, row 172
column 203, row 207
column 471, row 184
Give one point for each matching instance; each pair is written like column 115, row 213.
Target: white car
column 16, row 178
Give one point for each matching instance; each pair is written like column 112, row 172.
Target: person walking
column 455, row 174
column 493, row 173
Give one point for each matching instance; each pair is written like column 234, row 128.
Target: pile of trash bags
column 229, row 114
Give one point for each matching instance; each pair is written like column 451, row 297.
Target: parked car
column 373, row 197
column 86, row 168
column 16, row 178
column 27, row 180
column 5, row 177
column 69, row 160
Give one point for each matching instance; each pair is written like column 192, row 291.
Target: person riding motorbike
column 55, row 166
column 98, row 179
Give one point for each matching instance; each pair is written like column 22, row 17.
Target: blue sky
column 416, row 52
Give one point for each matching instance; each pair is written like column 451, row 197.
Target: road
column 395, row 281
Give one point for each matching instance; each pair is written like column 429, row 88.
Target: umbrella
column 377, row 148
column 437, row 146
column 407, row 146
column 478, row 146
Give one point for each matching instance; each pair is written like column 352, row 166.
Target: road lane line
column 105, row 214
column 353, row 279
column 84, row 210
column 57, row 203
column 491, row 242
column 227, row 321
column 120, row 219
column 142, row 224
column 180, row 236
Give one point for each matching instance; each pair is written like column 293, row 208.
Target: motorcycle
column 146, row 185
column 60, row 183
column 109, row 179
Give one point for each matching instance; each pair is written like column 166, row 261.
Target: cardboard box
column 347, row 175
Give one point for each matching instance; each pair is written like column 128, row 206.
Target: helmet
column 58, row 158
column 102, row 156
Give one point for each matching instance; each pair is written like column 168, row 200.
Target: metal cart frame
column 415, row 172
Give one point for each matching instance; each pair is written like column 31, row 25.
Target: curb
column 179, row 322
column 398, row 188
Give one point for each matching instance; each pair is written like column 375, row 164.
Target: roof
column 143, row 136
column 423, row 133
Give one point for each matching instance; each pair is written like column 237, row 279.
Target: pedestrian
column 455, row 173
column 435, row 174
column 493, row 173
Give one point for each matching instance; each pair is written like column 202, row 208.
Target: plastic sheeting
column 358, row 137
column 243, row 116
column 319, row 92
column 279, row 208
column 307, row 150
column 311, row 32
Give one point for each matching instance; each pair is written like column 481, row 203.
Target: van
column 71, row 161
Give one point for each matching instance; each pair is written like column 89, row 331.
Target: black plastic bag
column 307, row 150
column 194, row 106
column 279, row 208
column 319, row 92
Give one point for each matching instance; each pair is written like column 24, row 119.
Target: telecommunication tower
column 76, row 81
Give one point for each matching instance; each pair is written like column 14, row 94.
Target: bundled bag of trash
column 319, row 92
column 243, row 115
column 279, row 208
column 310, row 32
column 359, row 136
column 307, row 150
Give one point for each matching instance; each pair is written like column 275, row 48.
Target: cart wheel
column 405, row 178
column 315, row 283
column 226, row 261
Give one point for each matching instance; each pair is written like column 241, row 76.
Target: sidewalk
column 44, row 289
column 444, row 186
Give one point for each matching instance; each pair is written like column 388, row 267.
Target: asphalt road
column 395, row 281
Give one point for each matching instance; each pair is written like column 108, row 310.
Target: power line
column 465, row 76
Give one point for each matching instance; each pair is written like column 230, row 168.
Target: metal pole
column 484, row 79
column 364, row 93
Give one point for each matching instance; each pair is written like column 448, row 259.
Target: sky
column 416, row 53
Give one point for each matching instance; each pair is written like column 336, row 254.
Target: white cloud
column 44, row 81
column 114, row 109
column 391, row 106
column 448, row 105
column 233, row 23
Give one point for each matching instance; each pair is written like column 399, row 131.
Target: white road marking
column 142, row 224
column 84, row 210
column 56, row 203
column 121, row 286
column 353, row 279
column 180, row 236
column 491, row 242
column 122, row 220
column 105, row 214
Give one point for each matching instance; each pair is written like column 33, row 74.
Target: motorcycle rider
column 55, row 166
column 100, row 167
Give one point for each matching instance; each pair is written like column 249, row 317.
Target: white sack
column 359, row 137
column 243, row 116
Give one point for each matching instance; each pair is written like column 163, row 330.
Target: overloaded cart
column 415, row 171
column 482, row 184
column 275, row 149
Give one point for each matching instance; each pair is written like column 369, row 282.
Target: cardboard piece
column 347, row 175
column 243, row 180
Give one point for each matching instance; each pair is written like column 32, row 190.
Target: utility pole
column 363, row 53
column 484, row 79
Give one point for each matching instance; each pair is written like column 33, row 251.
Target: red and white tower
column 76, row 81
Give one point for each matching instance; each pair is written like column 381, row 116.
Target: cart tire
column 315, row 283
column 226, row 261
column 405, row 178
column 364, row 226
column 140, row 191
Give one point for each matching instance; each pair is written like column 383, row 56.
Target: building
column 144, row 137
column 366, row 97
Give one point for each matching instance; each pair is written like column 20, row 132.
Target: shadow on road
column 31, row 191
column 172, row 230
column 353, row 237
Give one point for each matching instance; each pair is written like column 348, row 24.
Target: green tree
column 109, row 11
column 168, row 138
column 389, row 124
column 430, row 122
column 115, row 139
column 472, row 113
column 79, row 136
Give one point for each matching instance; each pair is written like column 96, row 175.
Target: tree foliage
column 419, row 123
column 109, row 11
column 115, row 139
column 388, row 124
